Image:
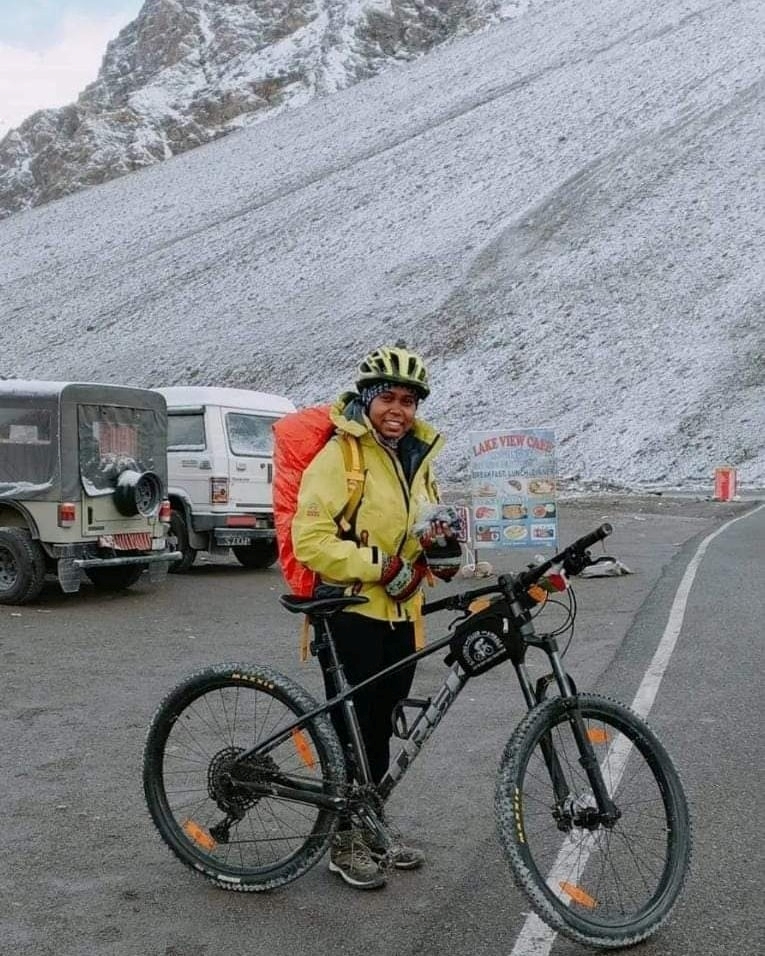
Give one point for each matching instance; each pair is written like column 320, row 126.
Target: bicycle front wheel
column 203, row 802
column 600, row 883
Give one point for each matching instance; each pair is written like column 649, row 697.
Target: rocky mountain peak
column 185, row 72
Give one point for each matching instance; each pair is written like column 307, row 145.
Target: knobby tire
column 606, row 888
column 197, row 730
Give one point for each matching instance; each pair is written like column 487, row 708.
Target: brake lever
column 576, row 562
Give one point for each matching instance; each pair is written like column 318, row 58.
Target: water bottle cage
column 401, row 726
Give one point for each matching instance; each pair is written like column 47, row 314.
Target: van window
column 249, row 434
column 186, row 432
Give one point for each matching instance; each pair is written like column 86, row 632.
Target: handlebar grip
column 581, row 544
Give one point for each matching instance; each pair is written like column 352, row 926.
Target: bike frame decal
column 423, row 727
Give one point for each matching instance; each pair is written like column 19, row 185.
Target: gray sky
column 51, row 49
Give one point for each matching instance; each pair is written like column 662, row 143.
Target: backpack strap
column 353, row 458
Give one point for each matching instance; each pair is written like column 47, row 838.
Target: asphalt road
column 84, row 874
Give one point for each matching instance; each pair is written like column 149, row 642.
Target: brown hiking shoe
column 350, row 858
column 396, row 854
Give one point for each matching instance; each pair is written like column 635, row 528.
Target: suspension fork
column 557, row 777
column 587, row 758
column 337, row 675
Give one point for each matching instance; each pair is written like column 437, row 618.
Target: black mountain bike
column 245, row 777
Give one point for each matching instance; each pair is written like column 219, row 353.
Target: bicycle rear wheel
column 235, row 837
column 603, row 886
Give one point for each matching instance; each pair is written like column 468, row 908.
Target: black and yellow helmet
column 396, row 365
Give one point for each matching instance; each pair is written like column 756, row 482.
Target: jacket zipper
column 402, row 480
column 399, row 471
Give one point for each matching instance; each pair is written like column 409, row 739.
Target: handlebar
column 573, row 558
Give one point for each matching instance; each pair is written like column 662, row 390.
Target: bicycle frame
column 437, row 707
column 605, row 872
column 517, row 623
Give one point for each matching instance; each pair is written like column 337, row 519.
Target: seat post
column 334, row 669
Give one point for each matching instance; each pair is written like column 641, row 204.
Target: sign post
column 513, row 488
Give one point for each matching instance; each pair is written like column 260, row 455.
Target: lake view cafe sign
column 513, row 488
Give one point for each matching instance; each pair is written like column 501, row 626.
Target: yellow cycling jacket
column 395, row 488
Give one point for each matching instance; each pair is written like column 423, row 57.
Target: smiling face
column 392, row 411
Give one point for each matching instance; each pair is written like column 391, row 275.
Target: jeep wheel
column 115, row 578
column 22, row 566
column 180, row 532
column 258, row 556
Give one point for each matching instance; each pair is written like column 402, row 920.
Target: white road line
column 536, row 938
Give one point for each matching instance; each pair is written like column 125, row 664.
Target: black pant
column 365, row 646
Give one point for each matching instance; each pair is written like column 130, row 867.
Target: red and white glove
column 401, row 578
column 444, row 557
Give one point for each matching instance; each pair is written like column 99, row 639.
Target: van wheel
column 115, row 578
column 180, row 532
column 257, row 556
column 22, row 566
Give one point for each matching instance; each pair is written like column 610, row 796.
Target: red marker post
column 725, row 484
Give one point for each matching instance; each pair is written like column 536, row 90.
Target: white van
column 220, row 472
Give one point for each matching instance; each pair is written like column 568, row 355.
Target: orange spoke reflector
column 199, row 835
column 596, row 735
column 578, row 895
column 303, row 748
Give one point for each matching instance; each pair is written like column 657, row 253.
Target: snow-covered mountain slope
column 185, row 72
column 563, row 213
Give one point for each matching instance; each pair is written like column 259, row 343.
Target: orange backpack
column 298, row 438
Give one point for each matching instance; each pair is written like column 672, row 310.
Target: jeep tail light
column 67, row 514
column 164, row 511
column 219, row 491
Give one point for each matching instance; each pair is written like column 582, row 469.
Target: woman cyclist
column 382, row 558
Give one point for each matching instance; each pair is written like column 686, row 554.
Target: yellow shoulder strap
column 305, row 639
column 353, row 458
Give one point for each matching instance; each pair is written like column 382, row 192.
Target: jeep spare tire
column 137, row 493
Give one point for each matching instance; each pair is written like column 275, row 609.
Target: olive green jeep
column 83, row 475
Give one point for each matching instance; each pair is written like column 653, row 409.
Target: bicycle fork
column 568, row 811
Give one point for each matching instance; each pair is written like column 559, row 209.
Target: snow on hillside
column 563, row 213
column 185, row 72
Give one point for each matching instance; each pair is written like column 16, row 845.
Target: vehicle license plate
column 233, row 540
column 134, row 541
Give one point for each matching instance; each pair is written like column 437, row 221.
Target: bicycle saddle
column 317, row 606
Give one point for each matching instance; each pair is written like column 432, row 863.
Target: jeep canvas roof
column 78, row 391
